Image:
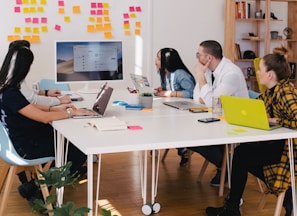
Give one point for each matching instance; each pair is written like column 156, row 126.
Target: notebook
column 141, row 83
column 183, row 105
column 246, row 112
column 100, row 103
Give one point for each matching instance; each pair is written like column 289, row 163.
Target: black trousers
column 42, row 145
column 213, row 154
column 251, row 157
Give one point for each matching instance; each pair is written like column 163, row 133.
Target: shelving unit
column 261, row 28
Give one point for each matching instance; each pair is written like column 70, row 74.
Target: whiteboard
column 162, row 23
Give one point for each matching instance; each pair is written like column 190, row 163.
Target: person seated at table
column 28, row 125
column 272, row 168
column 215, row 75
column 51, row 97
column 47, row 98
column 176, row 81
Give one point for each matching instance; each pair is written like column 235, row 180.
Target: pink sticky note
column 43, row 20
column 19, row 2
column 138, row 9
column 17, row 9
column 93, row 5
column 28, row 20
column 58, row 27
column 135, row 127
column 126, row 16
column 61, row 3
column 100, row 5
column 131, row 9
column 35, row 20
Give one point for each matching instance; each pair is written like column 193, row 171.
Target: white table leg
column 291, row 158
column 90, row 183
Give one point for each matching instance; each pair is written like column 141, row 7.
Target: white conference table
column 163, row 128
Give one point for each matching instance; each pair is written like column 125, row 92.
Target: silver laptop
column 100, row 103
column 183, row 105
column 141, row 83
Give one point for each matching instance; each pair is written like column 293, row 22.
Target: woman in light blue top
column 176, row 79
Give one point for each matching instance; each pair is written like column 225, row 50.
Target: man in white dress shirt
column 228, row 79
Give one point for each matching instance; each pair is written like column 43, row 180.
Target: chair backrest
column 9, row 154
column 48, row 84
column 262, row 88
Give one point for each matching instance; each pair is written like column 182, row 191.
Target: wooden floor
column 179, row 193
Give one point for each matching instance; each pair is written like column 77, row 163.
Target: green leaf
column 81, row 211
column 105, row 212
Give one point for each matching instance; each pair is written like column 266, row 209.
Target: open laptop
column 183, row 105
column 246, row 112
column 141, row 83
column 100, row 103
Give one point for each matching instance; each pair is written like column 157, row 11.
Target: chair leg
column 7, row 188
column 223, row 172
column 43, row 187
column 258, row 182
column 165, row 154
column 4, row 173
column 202, row 171
column 279, row 204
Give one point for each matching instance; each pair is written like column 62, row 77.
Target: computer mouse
column 119, row 103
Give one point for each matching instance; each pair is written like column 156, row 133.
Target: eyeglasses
column 199, row 54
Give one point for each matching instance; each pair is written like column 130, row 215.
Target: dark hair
column 213, row 48
column 171, row 60
column 15, row 67
column 278, row 63
column 19, row 43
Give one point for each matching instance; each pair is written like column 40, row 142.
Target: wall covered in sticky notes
column 144, row 26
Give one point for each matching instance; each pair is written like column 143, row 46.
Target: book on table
column 107, row 124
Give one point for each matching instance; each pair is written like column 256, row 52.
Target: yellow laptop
column 246, row 112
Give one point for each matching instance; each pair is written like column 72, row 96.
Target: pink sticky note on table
column 134, row 127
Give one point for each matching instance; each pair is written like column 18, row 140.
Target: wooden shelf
column 262, row 28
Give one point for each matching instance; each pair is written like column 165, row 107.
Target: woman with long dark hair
column 176, row 79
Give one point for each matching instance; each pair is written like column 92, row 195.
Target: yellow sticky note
column 99, row 27
column 36, row 30
column 146, row 109
column 40, row 9
column 35, row 39
column 27, row 29
column 90, row 28
column 67, row 19
column 61, row 10
column 239, row 130
column 44, row 29
column 107, row 27
column 76, row 9
column 108, row 35
column 137, row 31
column 138, row 24
column 17, row 30
column 92, row 19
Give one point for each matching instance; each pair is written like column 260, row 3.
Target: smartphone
column 207, row 120
column 198, row 110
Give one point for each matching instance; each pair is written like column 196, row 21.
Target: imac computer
column 88, row 61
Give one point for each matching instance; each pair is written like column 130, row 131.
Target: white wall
column 165, row 23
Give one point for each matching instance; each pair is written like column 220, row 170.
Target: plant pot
column 146, row 101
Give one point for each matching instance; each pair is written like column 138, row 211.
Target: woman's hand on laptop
column 273, row 120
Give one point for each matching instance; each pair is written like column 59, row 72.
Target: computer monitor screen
column 88, row 61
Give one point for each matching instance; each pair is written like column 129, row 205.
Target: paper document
column 106, row 124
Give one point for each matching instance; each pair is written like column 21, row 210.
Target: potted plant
column 60, row 177
column 146, row 100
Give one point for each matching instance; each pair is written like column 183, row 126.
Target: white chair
column 47, row 84
column 9, row 155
